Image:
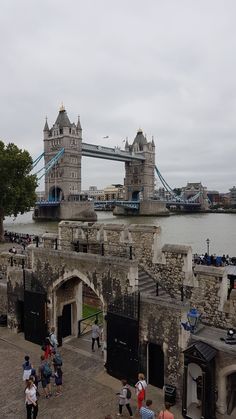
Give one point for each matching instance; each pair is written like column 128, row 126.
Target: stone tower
column 64, row 179
column 140, row 175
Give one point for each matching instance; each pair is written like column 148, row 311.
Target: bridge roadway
column 128, row 204
column 108, row 153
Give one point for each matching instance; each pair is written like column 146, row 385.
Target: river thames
column 188, row 229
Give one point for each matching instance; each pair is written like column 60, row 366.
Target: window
column 73, row 175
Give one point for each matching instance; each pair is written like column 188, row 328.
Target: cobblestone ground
column 88, row 392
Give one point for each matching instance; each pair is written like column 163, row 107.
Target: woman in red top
column 47, row 349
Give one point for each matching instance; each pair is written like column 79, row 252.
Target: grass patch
column 90, row 310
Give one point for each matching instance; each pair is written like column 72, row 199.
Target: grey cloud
column 168, row 67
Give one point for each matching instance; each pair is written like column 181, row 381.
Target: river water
column 188, row 229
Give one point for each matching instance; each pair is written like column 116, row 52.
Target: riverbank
column 191, row 229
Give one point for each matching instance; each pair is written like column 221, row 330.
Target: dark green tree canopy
column 17, row 185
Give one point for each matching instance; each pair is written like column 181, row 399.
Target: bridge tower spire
column 64, row 180
column 140, row 175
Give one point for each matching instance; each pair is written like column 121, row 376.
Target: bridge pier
column 146, row 207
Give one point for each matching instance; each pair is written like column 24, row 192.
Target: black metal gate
column 35, row 310
column 123, row 337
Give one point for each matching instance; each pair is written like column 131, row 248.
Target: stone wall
column 160, row 324
column 209, row 295
column 172, row 270
column 116, row 239
column 107, row 276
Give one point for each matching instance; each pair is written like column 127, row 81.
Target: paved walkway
column 88, row 393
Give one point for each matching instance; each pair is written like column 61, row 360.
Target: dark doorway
column 20, row 315
column 66, row 320
column 135, row 196
column 231, row 396
column 35, row 324
column 156, row 365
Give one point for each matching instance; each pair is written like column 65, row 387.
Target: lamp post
column 193, row 317
column 208, row 246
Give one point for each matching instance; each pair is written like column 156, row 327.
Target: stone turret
column 64, row 179
column 140, row 175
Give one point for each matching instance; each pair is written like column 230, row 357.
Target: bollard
column 157, row 289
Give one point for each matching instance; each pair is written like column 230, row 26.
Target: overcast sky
column 167, row 66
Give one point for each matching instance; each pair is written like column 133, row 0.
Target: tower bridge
column 63, row 151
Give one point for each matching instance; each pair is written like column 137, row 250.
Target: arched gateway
column 62, row 275
column 67, row 295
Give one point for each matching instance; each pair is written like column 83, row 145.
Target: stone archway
column 222, row 387
column 56, row 194
column 67, row 290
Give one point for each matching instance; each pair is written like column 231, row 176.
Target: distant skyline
column 165, row 66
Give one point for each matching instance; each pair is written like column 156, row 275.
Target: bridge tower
column 140, row 175
column 64, row 179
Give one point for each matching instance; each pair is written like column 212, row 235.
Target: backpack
column 128, row 394
column 57, row 360
column 47, row 372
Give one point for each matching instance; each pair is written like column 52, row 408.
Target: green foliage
column 17, row 185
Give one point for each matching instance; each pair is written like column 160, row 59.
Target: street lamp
column 208, row 246
column 193, row 318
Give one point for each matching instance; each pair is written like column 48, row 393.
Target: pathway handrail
column 80, row 331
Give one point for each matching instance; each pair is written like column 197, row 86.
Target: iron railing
column 104, row 249
column 85, row 324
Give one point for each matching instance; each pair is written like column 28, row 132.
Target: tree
column 17, row 185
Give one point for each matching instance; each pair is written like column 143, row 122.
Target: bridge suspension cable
column 36, row 161
column 167, row 186
column 50, row 164
column 173, row 194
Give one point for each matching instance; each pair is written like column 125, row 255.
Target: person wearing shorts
column 45, row 380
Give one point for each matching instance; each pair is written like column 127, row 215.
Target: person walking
column 53, row 339
column 26, row 368
column 58, row 381
column 124, row 397
column 146, row 412
column 31, row 400
column 165, row 413
column 95, row 335
column 141, row 386
column 45, row 373
column 57, row 360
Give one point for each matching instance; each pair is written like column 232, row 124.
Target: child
column 58, row 380
column 26, row 368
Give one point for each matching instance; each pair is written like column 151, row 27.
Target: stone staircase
column 147, row 285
